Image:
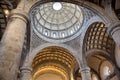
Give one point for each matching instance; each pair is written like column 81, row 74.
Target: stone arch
column 102, row 45
column 96, row 37
column 84, row 36
column 31, row 56
column 55, row 56
column 33, row 53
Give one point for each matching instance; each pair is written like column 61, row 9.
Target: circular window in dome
column 57, row 6
column 57, row 21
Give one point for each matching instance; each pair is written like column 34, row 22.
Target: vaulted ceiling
column 7, row 5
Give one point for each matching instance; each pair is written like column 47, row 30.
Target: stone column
column 11, row 45
column 85, row 73
column 114, row 31
column 25, row 73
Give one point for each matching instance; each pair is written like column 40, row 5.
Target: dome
column 57, row 20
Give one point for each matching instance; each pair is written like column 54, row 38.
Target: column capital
column 115, row 26
column 25, row 73
column 26, row 69
column 18, row 13
column 85, row 73
column 85, row 69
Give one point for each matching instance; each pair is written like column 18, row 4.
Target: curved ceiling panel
column 57, row 20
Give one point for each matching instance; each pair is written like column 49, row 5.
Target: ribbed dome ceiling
column 57, row 20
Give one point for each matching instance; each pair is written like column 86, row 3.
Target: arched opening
column 97, row 38
column 99, row 51
column 54, row 63
column 103, row 68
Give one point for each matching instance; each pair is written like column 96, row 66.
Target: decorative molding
column 16, row 13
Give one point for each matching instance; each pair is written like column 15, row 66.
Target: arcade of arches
column 59, row 40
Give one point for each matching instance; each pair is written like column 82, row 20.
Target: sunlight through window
column 57, row 6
